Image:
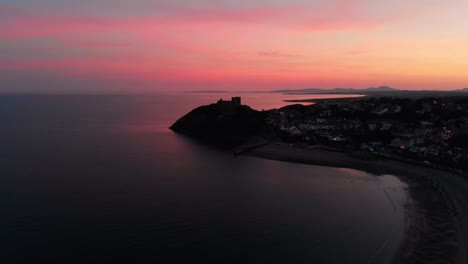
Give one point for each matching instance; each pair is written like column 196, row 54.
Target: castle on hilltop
column 234, row 101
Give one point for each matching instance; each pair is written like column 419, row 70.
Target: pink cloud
column 336, row 15
column 103, row 45
column 24, row 25
column 229, row 15
column 358, row 51
column 347, row 15
column 276, row 54
column 255, row 45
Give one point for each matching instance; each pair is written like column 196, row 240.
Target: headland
column 419, row 140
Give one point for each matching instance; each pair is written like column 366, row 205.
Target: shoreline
column 327, row 100
column 437, row 215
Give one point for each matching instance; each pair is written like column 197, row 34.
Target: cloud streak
column 22, row 22
column 276, row 54
column 225, row 40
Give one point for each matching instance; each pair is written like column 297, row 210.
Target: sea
column 101, row 179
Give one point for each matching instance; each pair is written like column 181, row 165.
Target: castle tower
column 236, row 100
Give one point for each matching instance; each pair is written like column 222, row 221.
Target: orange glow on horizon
column 325, row 45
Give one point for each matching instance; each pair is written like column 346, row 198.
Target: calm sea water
column 100, row 179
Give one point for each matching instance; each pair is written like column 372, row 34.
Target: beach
column 437, row 214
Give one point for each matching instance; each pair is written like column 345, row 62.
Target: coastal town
column 422, row 140
column 428, row 130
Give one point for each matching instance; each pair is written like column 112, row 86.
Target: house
column 371, row 146
column 336, row 138
column 372, row 126
column 293, row 131
column 381, row 111
column 432, row 151
column 386, row 126
column 402, row 142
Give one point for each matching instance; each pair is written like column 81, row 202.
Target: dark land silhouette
column 424, row 140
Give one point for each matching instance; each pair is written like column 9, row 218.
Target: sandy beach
column 437, row 215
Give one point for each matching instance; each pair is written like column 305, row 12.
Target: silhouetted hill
column 225, row 125
column 380, row 89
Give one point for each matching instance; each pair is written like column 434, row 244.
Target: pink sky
column 142, row 45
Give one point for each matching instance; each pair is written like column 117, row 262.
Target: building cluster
column 433, row 129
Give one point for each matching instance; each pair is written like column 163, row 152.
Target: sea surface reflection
column 90, row 179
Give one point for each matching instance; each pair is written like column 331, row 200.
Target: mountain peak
column 381, row 89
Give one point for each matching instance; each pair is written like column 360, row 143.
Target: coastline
column 327, row 100
column 437, row 215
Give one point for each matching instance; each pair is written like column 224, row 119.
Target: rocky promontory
column 224, row 124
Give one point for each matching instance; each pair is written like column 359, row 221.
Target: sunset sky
column 144, row 45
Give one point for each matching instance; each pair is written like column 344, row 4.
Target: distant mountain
column 463, row 90
column 381, row 89
column 340, row 90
